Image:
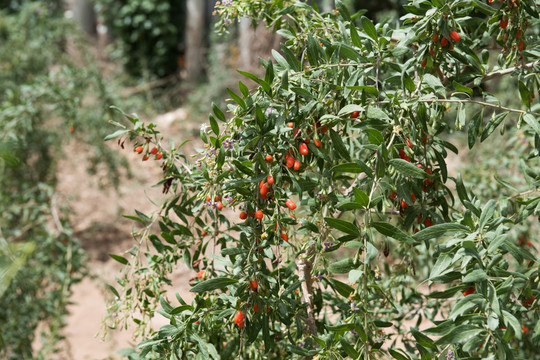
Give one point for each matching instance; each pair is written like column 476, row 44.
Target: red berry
column 424, row 63
column 432, row 52
column 435, row 37
column 444, row 41
column 284, row 237
column 268, row 158
column 290, row 124
column 323, row 129
column 427, row 222
column 290, row 161
column 454, row 36
column 525, row 329
column 219, row 205
column 200, row 274
column 521, row 46
column 518, row 34
column 139, row 149
column 208, row 198
column 296, row 165
column 504, row 23
column 295, row 132
column 159, row 156
column 145, row 157
column 355, row 114
column 270, row 180
column 393, row 195
column 239, row 319
column 290, row 204
column 255, row 308
column 409, row 144
column 264, row 189
column 154, row 151
column 303, row 149
column 307, row 141
column 413, row 198
column 317, row 142
column 259, row 215
column 203, row 233
column 469, row 291
column 217, row 198
column 254, row 285
column 404, row 205
column 243, row 215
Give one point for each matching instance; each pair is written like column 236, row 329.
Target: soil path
column 98, row 222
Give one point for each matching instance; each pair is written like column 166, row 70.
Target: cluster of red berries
column 154, row 151
column 512, row 26
column 441, row 42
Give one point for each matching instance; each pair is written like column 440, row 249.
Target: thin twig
column 483, row 103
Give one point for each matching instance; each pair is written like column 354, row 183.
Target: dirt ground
column 98, row 222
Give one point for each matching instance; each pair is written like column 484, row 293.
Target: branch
column 483, row 103
column 500, row 73
column 305, row 266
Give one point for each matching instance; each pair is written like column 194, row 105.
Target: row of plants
column 52, row 95
column 323, row 216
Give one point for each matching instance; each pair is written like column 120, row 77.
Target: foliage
column 48, row 100
column 149, row 33
column 355, row 238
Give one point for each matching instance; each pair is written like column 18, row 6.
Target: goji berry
column 139, row 149
column 303, row 149
column 284, row 237
column 268, row 158
column 296, row 165
column 219, row 205
column 455, row 36
column 504, row 23
column 259, row 215
column 435, row 37
column 159, row 156
column 409, row 144
column 145, row 157
column 243, row 215
column 270, row 180
column 255, row 308
column 355, row 114
column 290, row 161
column 444, row 41
column 290, row 204
column 154, row 151
column 317, row 142
column 254, row 285
column 469, row 291
column 424, row 63
column 239, row 319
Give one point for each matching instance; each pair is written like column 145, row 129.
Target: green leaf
column 361, row 197
column 349, row 349
column 371, row 253
column 439, row 230
column 392, row 231
column 341, row 288
column 460, row 334
column 264, row 85
column 342, row 225
column 347, row 109
column 342, row 8
column 116, row 134
column 474, row 128
column 214, row 125
column 462, row 88
column 348, row 168
column 342, row 266
column 237, row 99
column 532, row 122
column 355, row 38
column 423, row 339
column 219, row 114
column 213, row 284
column 312, row 52
column 370, row 90
column 339, row 145
column 475, row 276
column 302, row 92
column 493, row 123
column 408, row 169
column 120, row 259
column 369, row 28
column 398, row 356
column 465, row 304
column 487, row 213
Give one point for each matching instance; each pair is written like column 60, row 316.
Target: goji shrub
column 335, row 227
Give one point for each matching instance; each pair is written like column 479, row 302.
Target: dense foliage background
column 324, row 217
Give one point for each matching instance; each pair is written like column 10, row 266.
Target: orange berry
column 268, row 158
column 409, row 144
column 159, row 156
column 290, row 204
column 139, row 149
column 435, row 37
column 264, row 189
column 296, row 165
column 200, row 274
column 270, row 180
column 317, row 142
column 154, row 151
column 208, row 198
column 303, row 149
column 285, row 237
column 290, row 124
column 145, row 157
column 525, row 329
column 444, row 41
column 290, row 162
column 454, row 36
column 259, row 215
column 219, row 205
column 469, row 291
column 254, row 285
column 203, row 233
column 243, row 215
column 239, row 319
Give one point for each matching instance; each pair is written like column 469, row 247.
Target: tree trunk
column 84, row 14
column 195, row 29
